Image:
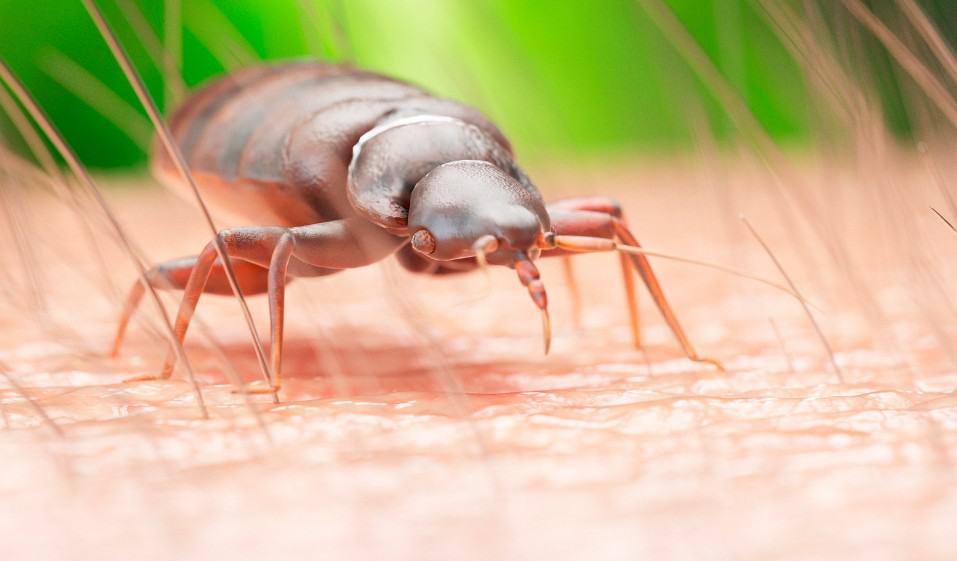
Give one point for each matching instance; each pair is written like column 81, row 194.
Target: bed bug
column 348, row 167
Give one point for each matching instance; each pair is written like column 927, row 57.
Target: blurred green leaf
column 564, row 79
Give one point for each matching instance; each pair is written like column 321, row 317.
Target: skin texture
column 422, row 422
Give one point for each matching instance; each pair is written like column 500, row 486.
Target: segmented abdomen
column 272, row 143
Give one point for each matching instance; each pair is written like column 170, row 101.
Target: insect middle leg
column 313, row 250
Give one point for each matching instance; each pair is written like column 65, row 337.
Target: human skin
column 421, row 421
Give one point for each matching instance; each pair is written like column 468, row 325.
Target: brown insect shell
column 389, row 160
column 460, row 202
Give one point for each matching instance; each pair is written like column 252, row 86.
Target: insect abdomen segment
column 274, row 142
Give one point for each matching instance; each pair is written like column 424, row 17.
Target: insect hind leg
column 174, row 275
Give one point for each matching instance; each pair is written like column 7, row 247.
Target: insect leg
column 335, row 245
column 254, row 245
column 608, row 207
column 608, row 226
column 651, row 281
column 174, row 275
column 302, row 251
column 278, row 267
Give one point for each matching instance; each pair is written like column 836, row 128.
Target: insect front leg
column 340, row 244
column 601, row 217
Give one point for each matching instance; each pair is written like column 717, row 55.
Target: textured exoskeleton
column 342, row 168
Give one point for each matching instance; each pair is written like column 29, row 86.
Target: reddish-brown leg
column 173, row 275
column 651, row 281
column 312, row 250
column 278, row 268
column 603, row 221
column 600, row 228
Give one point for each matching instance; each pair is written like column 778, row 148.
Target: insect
column 344, row 168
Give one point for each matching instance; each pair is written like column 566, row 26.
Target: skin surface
column 422, row 422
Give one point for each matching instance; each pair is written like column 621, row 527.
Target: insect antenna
column 183, row 168
column 588, row 244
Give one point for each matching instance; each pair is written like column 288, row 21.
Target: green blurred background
column 565, row 79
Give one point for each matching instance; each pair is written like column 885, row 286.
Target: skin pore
column 421, row 421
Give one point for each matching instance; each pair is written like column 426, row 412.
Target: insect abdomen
column 272, row 143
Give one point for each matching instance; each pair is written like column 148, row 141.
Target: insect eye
column 423, row 242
